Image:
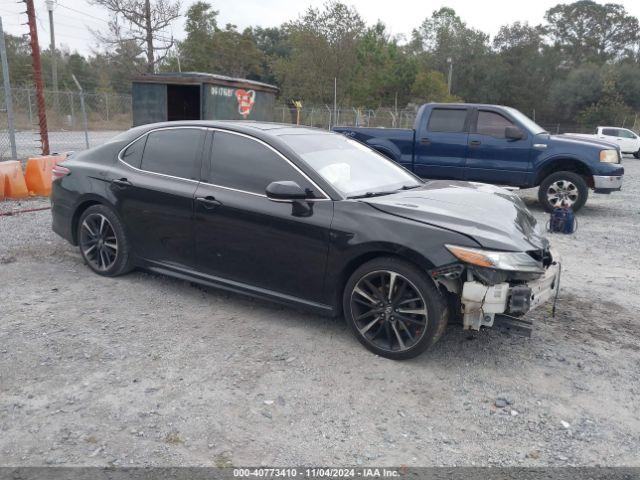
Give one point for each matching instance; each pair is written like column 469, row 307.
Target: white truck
column 627, row 140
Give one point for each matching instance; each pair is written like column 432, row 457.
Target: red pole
column 37, row 77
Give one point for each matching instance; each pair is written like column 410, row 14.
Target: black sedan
column 308, row 218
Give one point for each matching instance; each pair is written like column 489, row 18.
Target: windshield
column 526, row 122
column 350, row 167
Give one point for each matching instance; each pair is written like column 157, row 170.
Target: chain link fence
column 326, row 117
column 106, row 115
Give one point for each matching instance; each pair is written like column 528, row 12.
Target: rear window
column 447, row 120
column 610, row 132
column 133, row 153
column 174, row 151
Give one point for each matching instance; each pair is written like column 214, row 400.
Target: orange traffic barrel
column 12, row 179
column 38, row 174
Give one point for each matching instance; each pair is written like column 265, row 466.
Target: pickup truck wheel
column 637, row 154
column 563, row 188
column 393, row 308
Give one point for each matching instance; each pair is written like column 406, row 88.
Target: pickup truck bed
column 395, row 143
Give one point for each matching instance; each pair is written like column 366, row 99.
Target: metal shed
column 200, row 96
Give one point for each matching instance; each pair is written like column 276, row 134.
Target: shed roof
column 201, row 77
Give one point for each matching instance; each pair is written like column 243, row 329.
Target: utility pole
column 37, row 76
column 54, row 58
column 450, row 62
column 7, row 94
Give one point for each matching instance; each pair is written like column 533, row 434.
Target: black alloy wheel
column 102, row 241
column 98, row 242
column 395, row 311
column 389, row 311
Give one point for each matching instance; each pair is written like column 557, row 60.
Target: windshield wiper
column 372, row 194
column 377, row 194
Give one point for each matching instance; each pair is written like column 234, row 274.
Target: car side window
column 132, row 155
column 449, row 120
column 492, row 124
column 174, row 151
column 610, row 132
column 627, row 134
column 241, row 163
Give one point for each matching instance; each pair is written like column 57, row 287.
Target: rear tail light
column 59, row 171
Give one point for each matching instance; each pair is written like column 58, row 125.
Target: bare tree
column 142, row 22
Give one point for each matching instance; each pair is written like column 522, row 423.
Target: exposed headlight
column 511, row 261
column 609, row 156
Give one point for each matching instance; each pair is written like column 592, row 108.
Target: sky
column 73, row 19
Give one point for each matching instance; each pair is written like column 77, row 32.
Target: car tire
column 103, row 243
column 572, row 185
column 403, row 323
column 637, row 154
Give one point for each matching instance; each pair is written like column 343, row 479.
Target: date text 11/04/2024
column 368, row 472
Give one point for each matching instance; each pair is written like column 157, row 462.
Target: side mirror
column 513, row 133
column 285, row 191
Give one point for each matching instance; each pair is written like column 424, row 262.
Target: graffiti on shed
column 200, row 96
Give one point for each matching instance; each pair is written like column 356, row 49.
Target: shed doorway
column 183, row 102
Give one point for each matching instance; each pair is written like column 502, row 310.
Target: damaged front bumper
column 481, row 303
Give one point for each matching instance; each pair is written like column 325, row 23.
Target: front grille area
column 541, row 255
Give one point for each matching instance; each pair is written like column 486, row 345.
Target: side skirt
column 237, row 287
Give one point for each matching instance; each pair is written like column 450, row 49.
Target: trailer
column 200, row 96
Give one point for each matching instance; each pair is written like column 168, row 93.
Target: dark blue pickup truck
column 498, row 145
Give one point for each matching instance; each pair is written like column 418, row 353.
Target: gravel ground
column 147, row 370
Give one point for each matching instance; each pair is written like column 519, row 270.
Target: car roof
column 243, row 126
column 268, row 132
column 462, row 104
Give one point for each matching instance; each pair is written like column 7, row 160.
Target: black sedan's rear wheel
column 393, row 308
column 102, row 241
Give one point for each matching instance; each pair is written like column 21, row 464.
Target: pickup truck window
column 492, row 124
column 528, row 124
column 610, row 132
column 627, row 134
column 449, row 120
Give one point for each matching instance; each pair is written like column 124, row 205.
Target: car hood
column 570, row 139
column 494, row 217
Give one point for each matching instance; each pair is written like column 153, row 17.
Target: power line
column 84, row 14
column 129, row 31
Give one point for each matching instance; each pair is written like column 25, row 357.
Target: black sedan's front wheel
column 393, row 308
column 103, row 242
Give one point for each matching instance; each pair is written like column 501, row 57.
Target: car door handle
column 208, row 202
column 121, row 183
column 425, row 141
column 475, row 143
